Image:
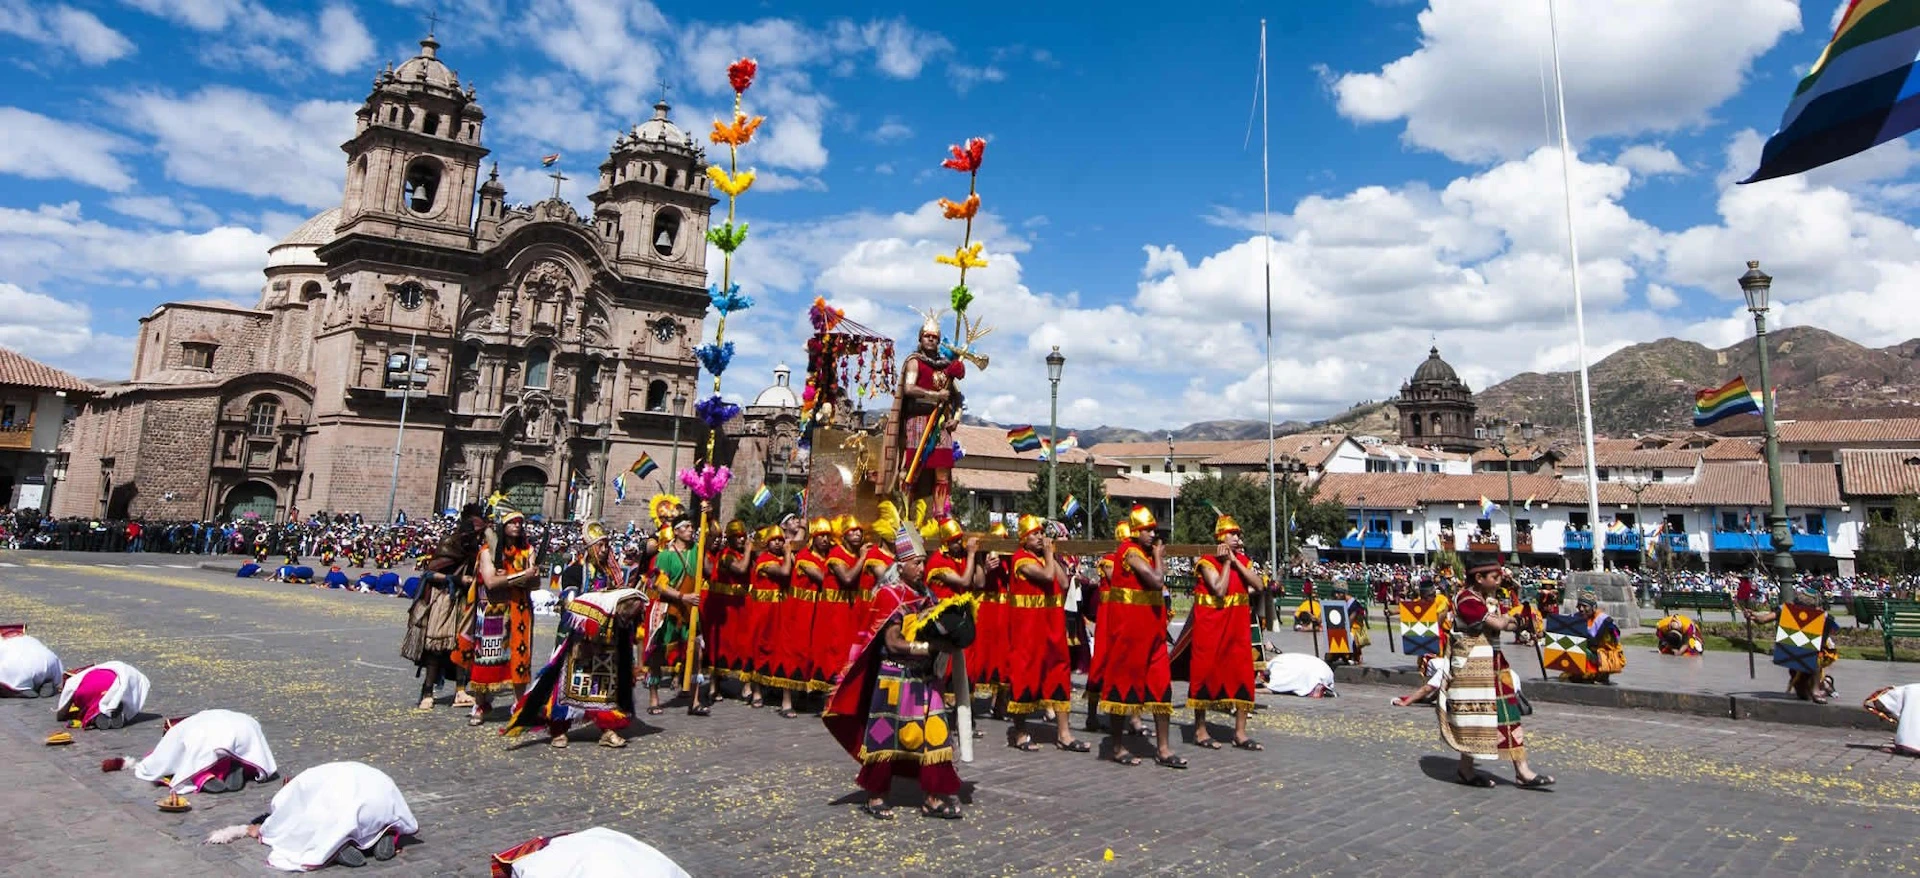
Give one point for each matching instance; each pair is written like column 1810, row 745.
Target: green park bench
column 1866, row 610
column 1696, row 600
column 1901, row 619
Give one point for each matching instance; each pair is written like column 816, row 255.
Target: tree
column 1088, row 488
column 1888, row 545
column 785, row 499
column 1202, row 499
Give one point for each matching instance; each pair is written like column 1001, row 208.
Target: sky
column 152, row 150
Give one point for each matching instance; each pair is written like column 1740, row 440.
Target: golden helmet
column 503, row 514
column 593, row 532
column 1122, row 532
column 998, row 529
column 950, row 530
column 769, row 533
column 1225, row 525
column 1030, row 523
column 819, row 526
column 662, row 508
column 736, row 528
column 1141, row 519
column 845, row 523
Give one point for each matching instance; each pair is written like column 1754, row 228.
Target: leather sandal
column 1477, row 780
column 1074, row 746
column 1247, row 744
column 877, row 812
column 1537, row 782
column 1207, row 743
column 945, row 811
column 1170, row 761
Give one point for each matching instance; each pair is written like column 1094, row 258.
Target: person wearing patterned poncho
column 1479, row 709
column 888, row 711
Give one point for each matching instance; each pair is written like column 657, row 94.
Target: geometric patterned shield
column 1796, row 642
column 1566, row 646
column 1420, row 627
column 1339, row 635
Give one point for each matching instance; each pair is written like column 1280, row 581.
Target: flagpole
column 1579, row 310
column 1266, row 250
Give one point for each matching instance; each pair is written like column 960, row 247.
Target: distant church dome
column 779, row 395
column 660, row 128
column 298, row 247
column 1435, row 370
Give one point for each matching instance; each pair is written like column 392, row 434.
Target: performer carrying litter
column 591, row 675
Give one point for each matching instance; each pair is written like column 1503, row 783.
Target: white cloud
column 42, row 148
column 59, row 333
column 609, row 43
column 343, row 43
column 1473, row 91
column 225, row 138
column 56, row 244
column 198, row 14
column 900, row 49
column 891, row 129
column 64, row 27
column 549, row 112
column 1646, row 160
column 965, row 76
column 1661, row 297
column 164, row 211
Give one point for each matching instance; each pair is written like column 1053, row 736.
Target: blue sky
column 153, row 149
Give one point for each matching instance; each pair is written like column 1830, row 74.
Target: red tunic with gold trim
column 1135, row 676
column 1098, row 661
column 1220, row 650
column 987, row 657
column 723, row 615
column 941, row 562
column 873, row 562
column 1037, row 673
column 763, row 605
column 837, row 617
column 793, row 653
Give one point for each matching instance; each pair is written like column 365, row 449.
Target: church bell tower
column 414, row 159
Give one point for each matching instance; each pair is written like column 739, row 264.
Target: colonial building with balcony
column 37, row 402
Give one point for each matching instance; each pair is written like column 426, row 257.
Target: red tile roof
column 1860, row 430
column 1180, row 449
column 1723, row 484
column 1880, row 473
column 18, row 371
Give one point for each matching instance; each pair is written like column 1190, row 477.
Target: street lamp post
column 673, row 457
column 1362, row 500
column 1756, row 284
column 1173, row 479
column 1055, row 363
column 1505, row 447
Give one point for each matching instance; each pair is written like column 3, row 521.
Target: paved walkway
column 1716, row 673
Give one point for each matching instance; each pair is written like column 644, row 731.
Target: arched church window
column 311, row 290
column 666, row 231
column 1415, row 422
column 1437, row 428
column 657, row 396
column 262, row 415
column 431, row 125
column 422, row 185
column 468, row 358
column 538, row 358
column 673, row 176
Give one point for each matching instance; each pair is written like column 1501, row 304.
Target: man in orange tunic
column 1136, row 677
column 724, row 614
column 796, row 668
column 1104, row 568
column 1038, row 676
column 1220, row 649
column 987, row 657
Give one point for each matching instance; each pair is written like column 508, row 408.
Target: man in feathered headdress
column 925, row 412
column 888, row 710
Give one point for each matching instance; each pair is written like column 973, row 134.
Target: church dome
column 298, row 247
column 427, row 68
column 1435, row 370
column 780, row 394
column 660, row 129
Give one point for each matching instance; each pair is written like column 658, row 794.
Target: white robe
column 330, row 805
column 597, row 853
column 1904, row 702
column 194, row 744
column 25, row 663
column 128, row 692
column 1297, row 673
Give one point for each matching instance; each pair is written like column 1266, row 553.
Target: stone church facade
column 548, row 349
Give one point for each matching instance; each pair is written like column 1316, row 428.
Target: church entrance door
column 526, row 489
column 257, row 498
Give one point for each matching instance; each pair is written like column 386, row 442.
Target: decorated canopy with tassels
column 846, row 362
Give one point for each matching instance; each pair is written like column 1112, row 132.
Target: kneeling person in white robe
column 28, row 669
column 592, row 853
column 213, row 751
column 102, row 696
column 1899, row 705
column 340, row 812
column 1297, row 673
